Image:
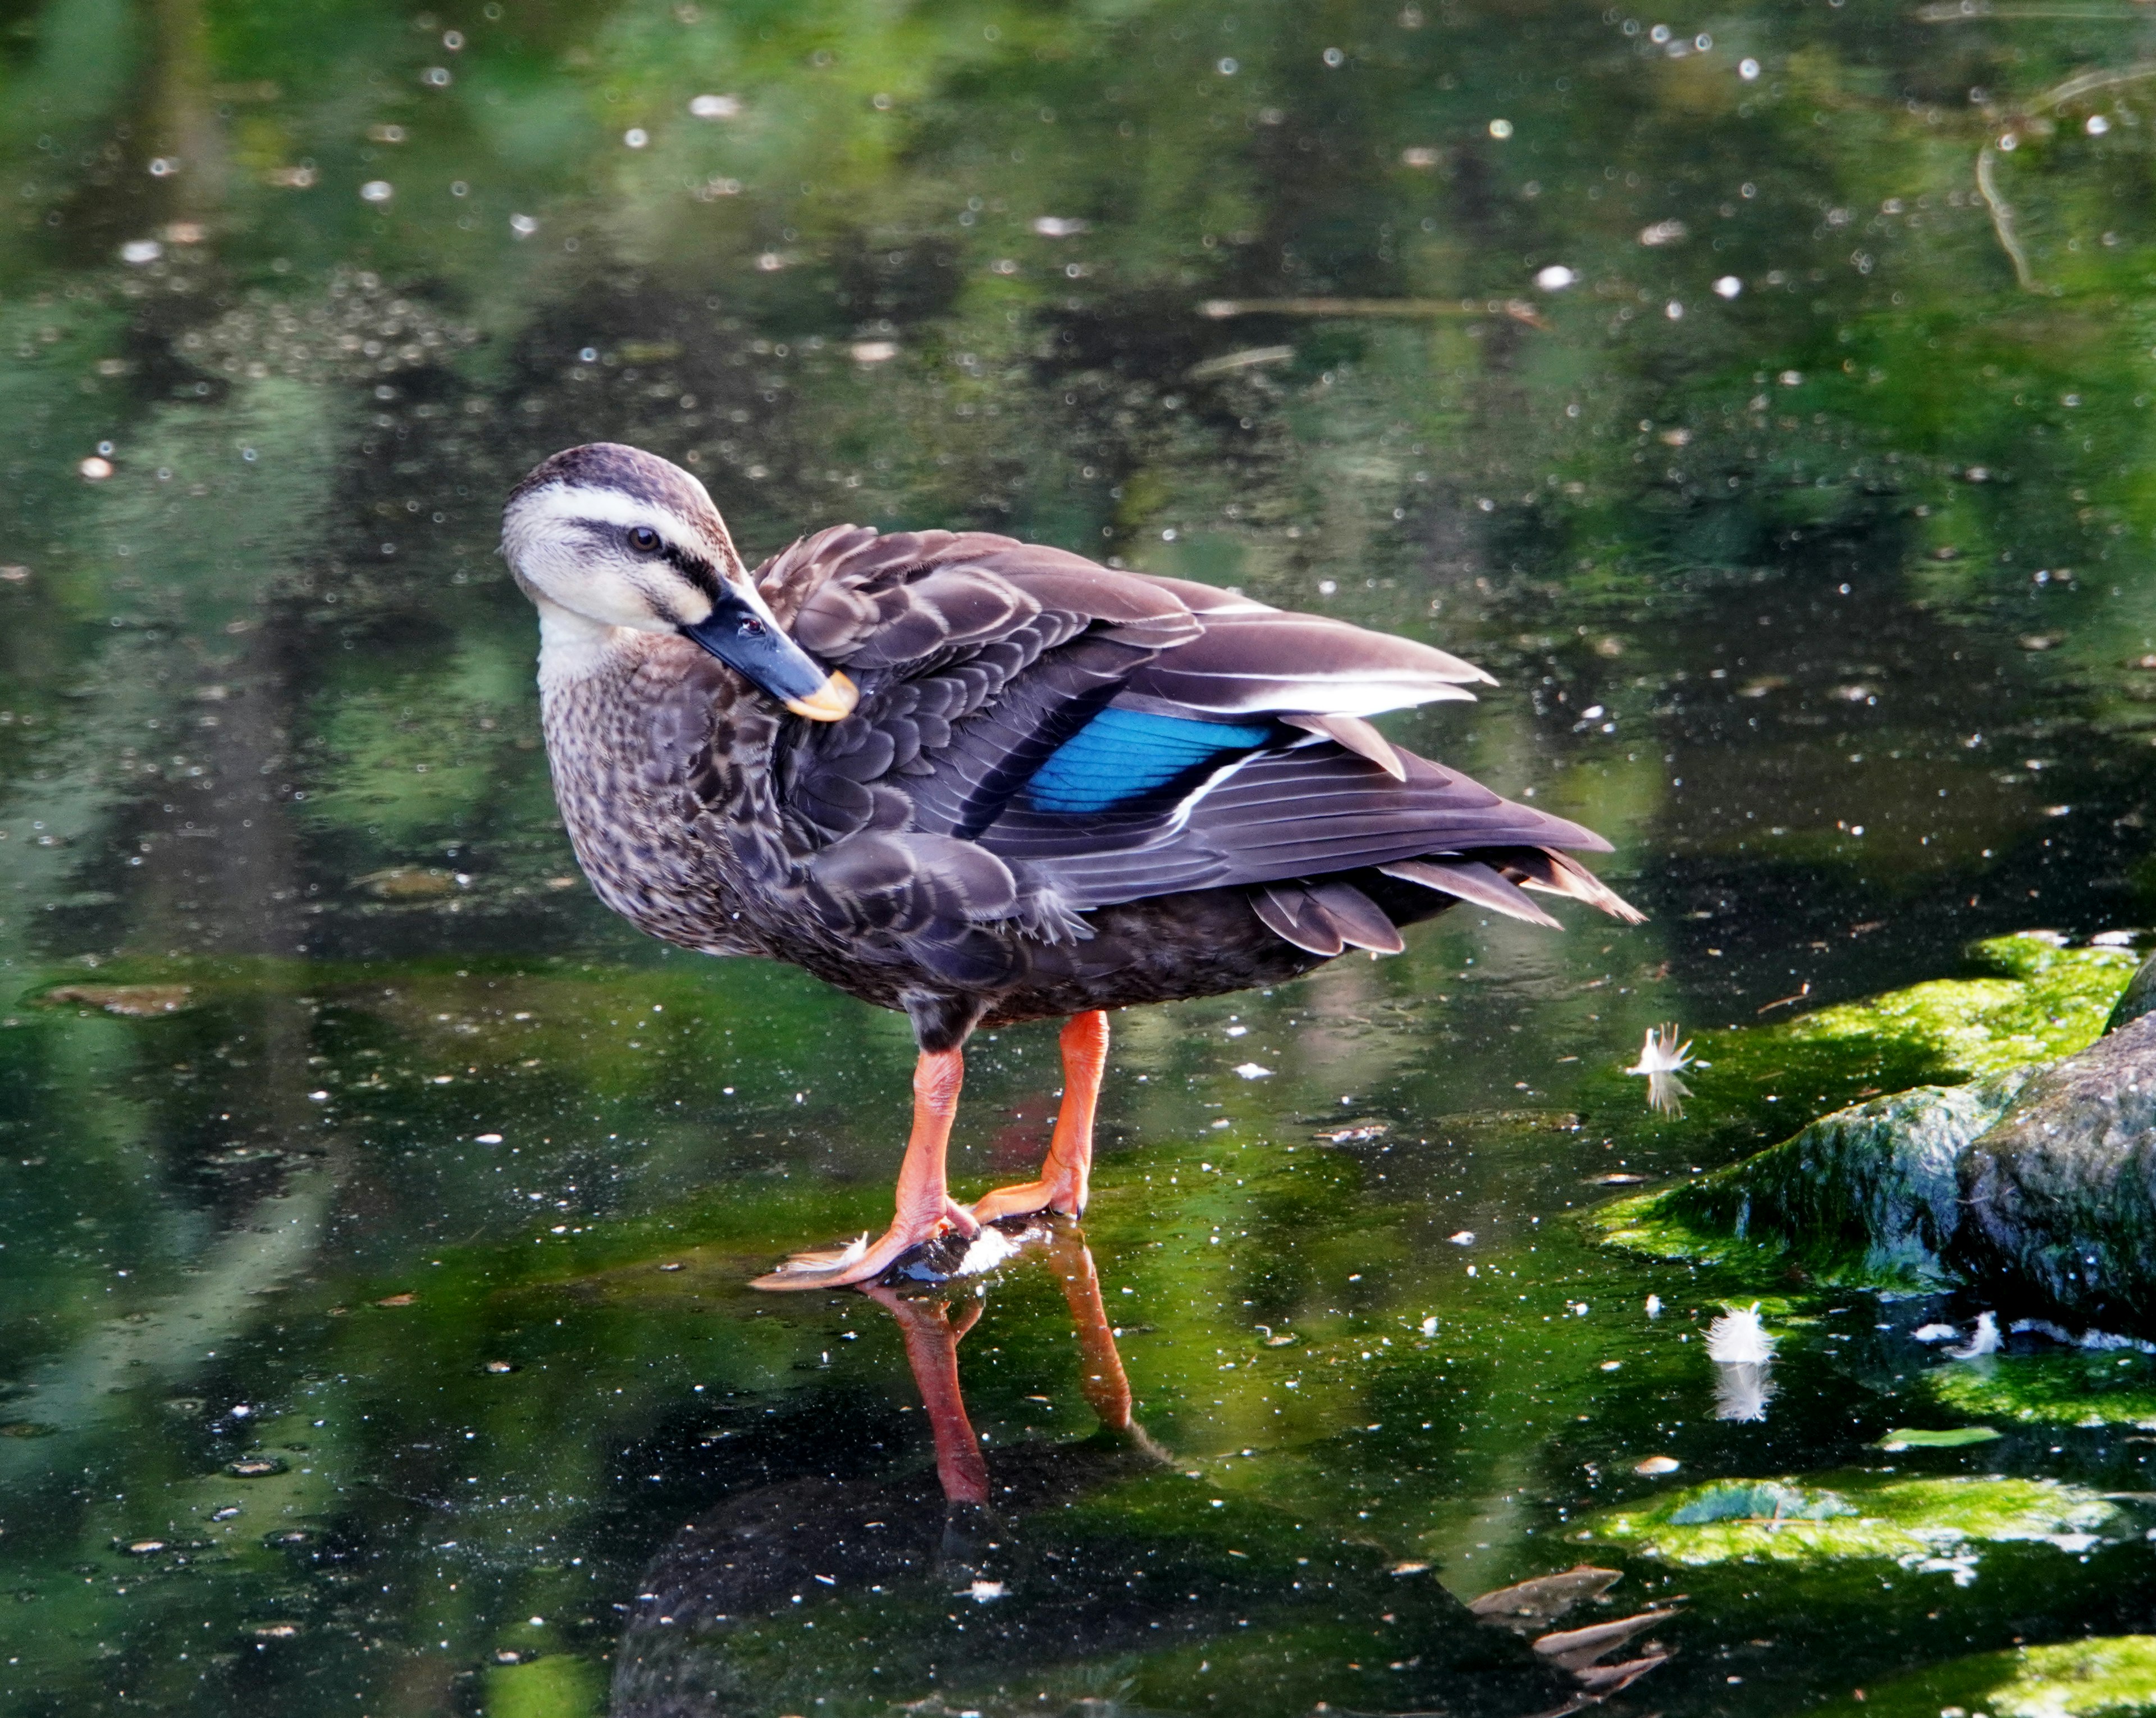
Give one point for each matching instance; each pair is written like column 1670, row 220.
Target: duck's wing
column 1087, row 737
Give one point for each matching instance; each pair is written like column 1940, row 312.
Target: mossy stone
column 1929, row 1524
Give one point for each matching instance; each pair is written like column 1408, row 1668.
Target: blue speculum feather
column 1120, row 755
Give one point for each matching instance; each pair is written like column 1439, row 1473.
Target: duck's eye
column 751, row 627
column 644, row 539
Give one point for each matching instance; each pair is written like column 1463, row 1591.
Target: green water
column 374, row 1208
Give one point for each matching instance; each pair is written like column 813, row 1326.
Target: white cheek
column 599, row 592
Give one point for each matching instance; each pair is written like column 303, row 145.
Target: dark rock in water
column 2138, row 998
column 1868, row 1194
column 2059, row 1196
column 2037, row 1186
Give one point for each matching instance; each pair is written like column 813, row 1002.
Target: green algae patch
column 1928, row 1524
column 2082, row 1388
column 555, row 1686
column 2108, row 1677
column 2039, row 1001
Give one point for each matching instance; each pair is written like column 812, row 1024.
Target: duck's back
column 1064, row 786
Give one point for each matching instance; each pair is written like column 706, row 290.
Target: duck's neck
column 573, row 647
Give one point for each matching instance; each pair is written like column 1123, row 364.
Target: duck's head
column 623, row 538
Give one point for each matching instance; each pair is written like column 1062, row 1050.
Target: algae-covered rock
column 2038, row 1000
column 1931, row 1525
column 2035, row 1181
column 2058, row 1197
column 1867, row 1194
column 2109, row 1677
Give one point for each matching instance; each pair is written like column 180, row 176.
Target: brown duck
column 986, row 781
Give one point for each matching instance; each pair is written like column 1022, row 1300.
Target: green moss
column 556, row 1686
column 2045, row 1001
column 2076, row 1679
column 2076, row 1389
column 1930, row 1523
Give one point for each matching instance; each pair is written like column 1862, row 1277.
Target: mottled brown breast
column 652, row 806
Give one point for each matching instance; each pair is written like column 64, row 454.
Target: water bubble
column 1501, row 128
column 1228, row 68
column 1555, row 278
column 1333, row 56
column 1728, row 286
column 376, row 191
column 1673, row 311
column 94, row 469
column 636, row 136
column 715, row 107
column 1747, row 69
column 1660, row 34
column 453, row 39
column 2097, row 125
column 163, row 166
column 436, row 77
column 522, row 225
column 140, row 251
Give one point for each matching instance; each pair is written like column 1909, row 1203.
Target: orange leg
column 925, row 1209
column 1067, row 1172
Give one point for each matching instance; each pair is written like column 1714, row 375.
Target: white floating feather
column 1984, row 1339
column 1661, row 1056
column 1738, row 1338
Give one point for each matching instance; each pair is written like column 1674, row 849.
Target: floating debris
column 1251, row 1070
column 1654, row 1466
column 136, row 1002
column 1660, row 1057
column 1536, row 1603
column 407, row 883
column 1354, row 1132
column 254, row 1467
column 1956, row 1437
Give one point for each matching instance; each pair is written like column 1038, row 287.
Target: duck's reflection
column 1077, row 1575
column 932, row 1332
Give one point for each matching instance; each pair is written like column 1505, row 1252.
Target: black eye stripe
column 690, row 565
column 693, row 567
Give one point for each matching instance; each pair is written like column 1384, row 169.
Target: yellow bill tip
column 832, row 701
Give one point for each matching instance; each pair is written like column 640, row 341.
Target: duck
column 983, row 782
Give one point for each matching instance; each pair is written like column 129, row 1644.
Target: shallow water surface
column 1763, row 395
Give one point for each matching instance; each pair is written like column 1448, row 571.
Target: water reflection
column 1004, row 1587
